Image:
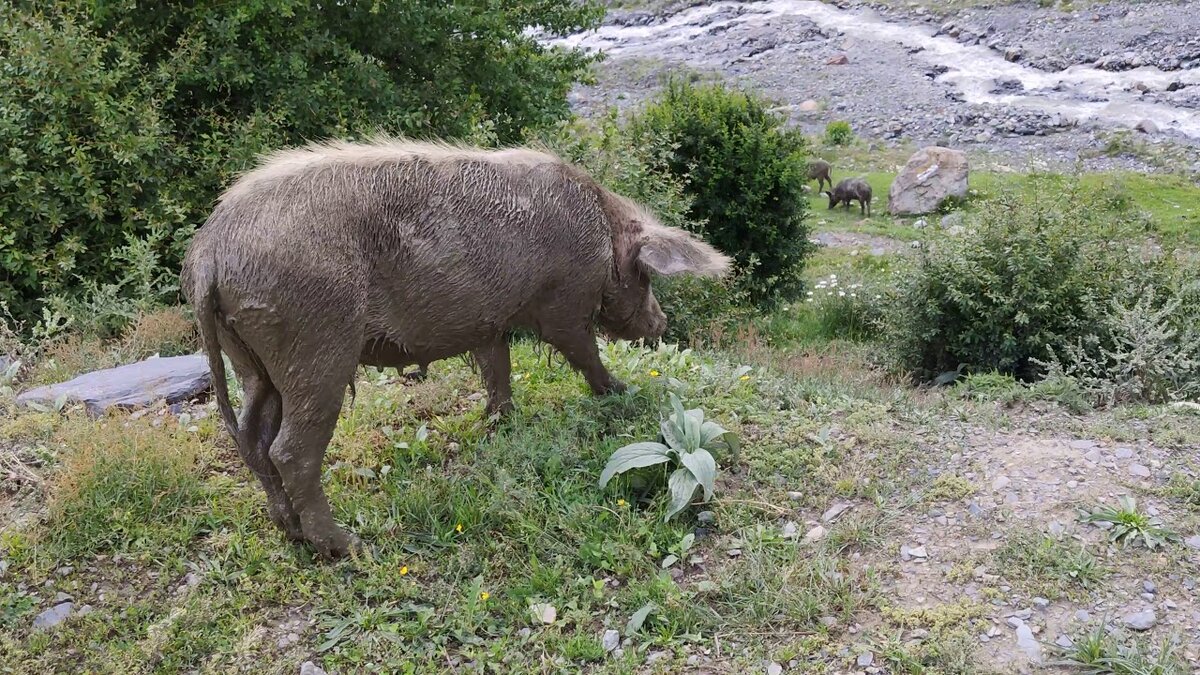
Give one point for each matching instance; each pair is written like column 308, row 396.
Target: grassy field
column 496, row 551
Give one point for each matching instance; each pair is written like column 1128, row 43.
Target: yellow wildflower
column 404, row 570
column 654, row 373
column 458, row 528
column 484, row 596
column 620, row 502
column 744, row 378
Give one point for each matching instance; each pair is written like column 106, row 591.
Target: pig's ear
column 669, row 250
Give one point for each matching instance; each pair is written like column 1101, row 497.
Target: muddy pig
column 851, row 189
column 820, row 171
column 392, row 253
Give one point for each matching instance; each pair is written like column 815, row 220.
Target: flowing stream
column 1080, row 92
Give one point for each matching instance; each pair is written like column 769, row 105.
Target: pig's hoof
column 287, row 520
column 336, row 544
column 415, row 376
column 613, row 387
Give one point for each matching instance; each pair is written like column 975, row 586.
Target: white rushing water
column 1080, row 92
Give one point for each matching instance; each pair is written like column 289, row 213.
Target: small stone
column 544, row 613
column 1083, row 616
column 828, row 621
column 1192, row 541
column 1023, row 613
column 1083, row 445
column 53, row 616
column 974, row 509
column 839, row 60
column 60, row 597
column 816, row 534
column 1149, row 586
column 1028, row 644
column 918, row 552
column 693, row 660
column 774, row 669
column 85, row 610
column 706, row 516
column 1041, row 602
column 1123, row 453
column 789, row 530
column 733, row 552
column 1000, row 483
column 1092, row 456
column 64, row 571
column 809, row 106
column 655, row 657
column 1143, row 620
column 1139, row 470
column 525, row 632
column 795, row 496
column 836, row 510
column 865, row 659
column 310, row 668
column 1014, row 622
column 1147, row 127
column 1064, row 642
column 610, row 641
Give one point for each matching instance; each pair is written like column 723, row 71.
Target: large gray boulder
column 931, row 176
column 137, row 385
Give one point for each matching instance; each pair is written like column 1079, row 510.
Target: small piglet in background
column 851, row 189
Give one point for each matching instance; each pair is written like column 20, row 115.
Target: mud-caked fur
column 393, row 253
column 851, row 189
column 820, row 171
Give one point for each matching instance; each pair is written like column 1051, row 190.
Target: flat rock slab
column 136, row 385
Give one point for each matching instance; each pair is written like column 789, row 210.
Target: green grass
column 135, row 507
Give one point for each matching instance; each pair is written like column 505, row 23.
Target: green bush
column 838, row 133
column 744, row 173
column 120, row 122
column 697, row 309
column 1037, row 269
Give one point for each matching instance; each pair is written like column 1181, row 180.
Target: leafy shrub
column 1035, row 270
column 1129, row 524
column 838, row 133
column 90, row 162
column 843, row 310
column 744, row 173
column 687, row 442
column 122, row 120
column 1141, row 352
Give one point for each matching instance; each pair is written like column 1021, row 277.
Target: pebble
column 836, row 510
column 310, row 668
column 1192, row 541
column 865, row 659
column 789, row 530
column 1015, row 622
column 1082, row 615
column 816, row 534
column 1123, row 453
column 1139, row 470
column 1149, row 586
column 1041, row 602
column 774, row 669
column 1000, row 483
column 64, row 571
column 53, row 616
column 655, row 657
column 1064, row 641
column 795, row 496
column 1143, row 620
column 1092, row 456
column 706, row 516
column 693, row 660
column 1028, row 644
